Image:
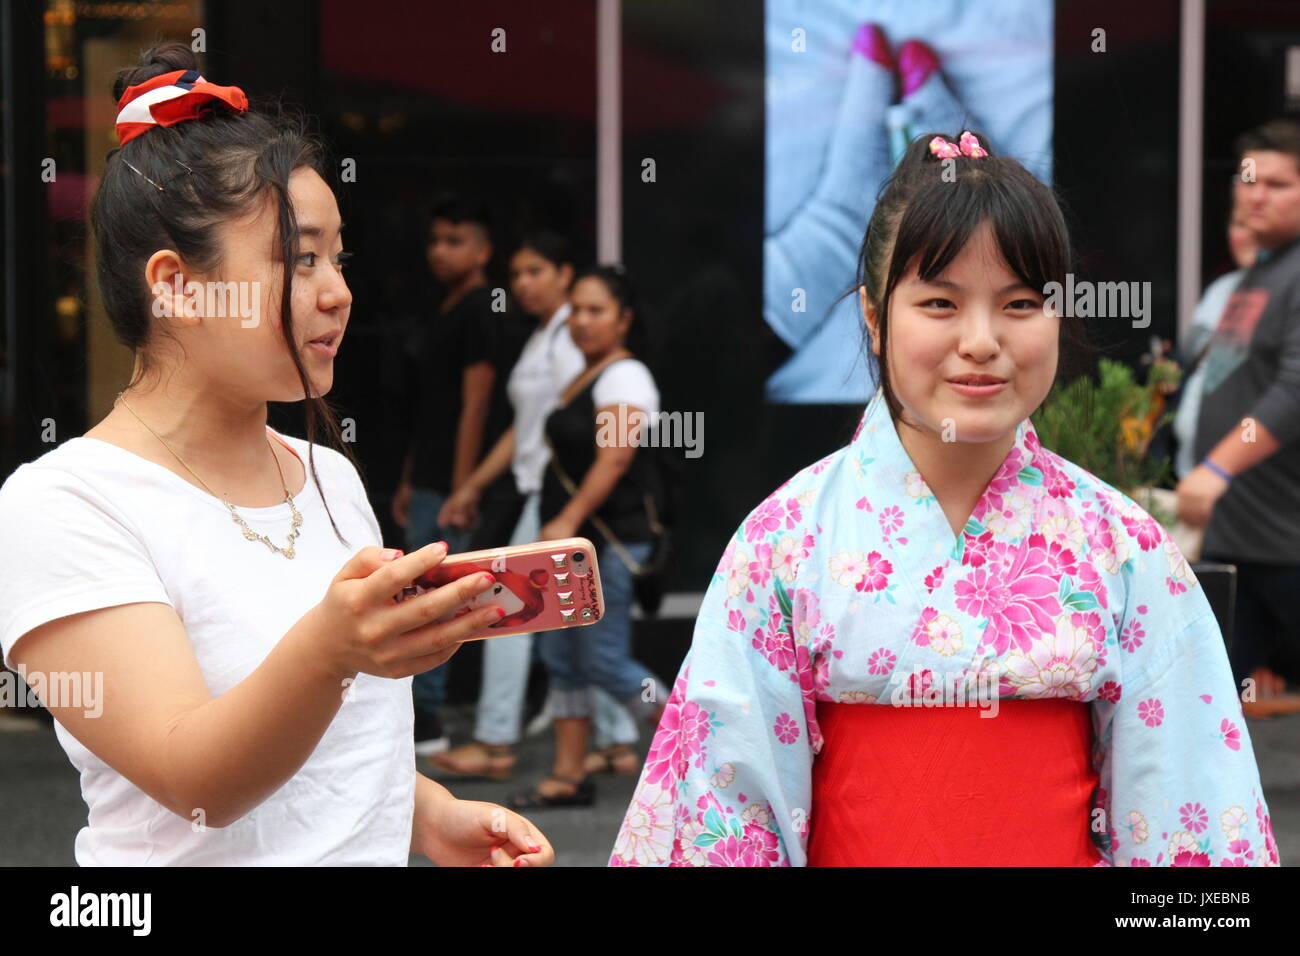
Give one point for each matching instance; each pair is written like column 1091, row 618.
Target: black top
column 443, row 347
column 571, row 429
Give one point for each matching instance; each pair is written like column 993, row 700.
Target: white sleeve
column 67, row 549
column 627, row 383
column 340, row 480
column 362, row 503
column 568, row 362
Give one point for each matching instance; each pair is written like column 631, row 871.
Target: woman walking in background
column 596, row 486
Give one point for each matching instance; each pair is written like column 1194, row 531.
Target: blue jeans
column 430, row 688
column 506, row 662
column 580, row 659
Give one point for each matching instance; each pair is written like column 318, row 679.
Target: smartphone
column 541, row 586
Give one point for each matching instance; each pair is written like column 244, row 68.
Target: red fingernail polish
column 534, row 849
column 489, row 578
column 501, row 612
column 519, row 862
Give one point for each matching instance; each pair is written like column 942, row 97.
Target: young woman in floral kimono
column 944, row 644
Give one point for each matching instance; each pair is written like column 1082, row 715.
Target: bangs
column 1027, row 226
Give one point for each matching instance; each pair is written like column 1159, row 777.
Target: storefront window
column 85, row 45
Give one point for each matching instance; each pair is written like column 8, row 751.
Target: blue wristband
column 1217, row 470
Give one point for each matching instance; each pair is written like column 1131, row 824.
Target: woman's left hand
column 557, row 528
column 472, row 833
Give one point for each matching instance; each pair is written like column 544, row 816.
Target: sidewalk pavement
column 41, row 808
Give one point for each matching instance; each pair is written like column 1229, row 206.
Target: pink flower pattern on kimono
column 1193, row 817
column 877, row 573
column 774, row 641
column 678, row 743
column 793, row 514
column 977, row 548
column 756, row 847
column 1017, row 594
column 1131, row 639
column 891, row 520
column 1151, row 712
column 1266, row 828
column 882, row 661
column 760, row 569
column 934, row 580
column 766, row 519
column 1145, row 530
column 1055, row 480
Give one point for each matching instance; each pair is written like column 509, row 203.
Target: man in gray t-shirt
column 1245, row 490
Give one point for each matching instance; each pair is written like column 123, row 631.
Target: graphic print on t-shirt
column 1231, row 341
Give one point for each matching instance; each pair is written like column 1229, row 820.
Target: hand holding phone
column 357, row 629
column 540, row 586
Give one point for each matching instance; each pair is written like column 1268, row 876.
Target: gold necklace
column 249, row 533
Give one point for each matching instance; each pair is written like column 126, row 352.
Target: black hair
column 550, row 245
column 1279, row 135
column 619, row 284
column 458, row 209
column 929, row 208
column 211, row 169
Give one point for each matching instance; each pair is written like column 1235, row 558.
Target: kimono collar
column 876, row 428
column 887, row 473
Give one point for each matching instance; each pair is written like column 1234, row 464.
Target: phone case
column 541, row 586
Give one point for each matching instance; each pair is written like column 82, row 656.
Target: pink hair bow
column 966, row 145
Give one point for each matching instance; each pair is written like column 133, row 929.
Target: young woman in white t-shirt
column 216, row 591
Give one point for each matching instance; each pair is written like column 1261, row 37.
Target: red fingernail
column 534, row 849
column 501, row 612
column 519, row 862
column 441, row 544
column 393, row 555
column 489, row 578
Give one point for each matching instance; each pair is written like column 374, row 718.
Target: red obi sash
column 943, row 786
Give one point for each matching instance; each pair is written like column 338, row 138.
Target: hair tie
column 169, row 99
column 966, row 145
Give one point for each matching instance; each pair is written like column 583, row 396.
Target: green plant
column 1105, row 426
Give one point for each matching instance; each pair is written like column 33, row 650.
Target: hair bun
column 163, row 58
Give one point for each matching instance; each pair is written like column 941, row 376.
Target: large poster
column 849, row 83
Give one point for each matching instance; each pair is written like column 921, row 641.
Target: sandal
column 620, row 759
column 584, row 795
column 477, row 761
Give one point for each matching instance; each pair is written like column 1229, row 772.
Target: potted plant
column 1106, row 425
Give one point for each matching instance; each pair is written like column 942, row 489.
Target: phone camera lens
column 579, row 557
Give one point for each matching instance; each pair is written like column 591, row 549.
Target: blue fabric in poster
column 833, row 134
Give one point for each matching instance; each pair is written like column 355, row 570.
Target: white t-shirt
column 627, row 382
column 548, row 362
column 90, row 525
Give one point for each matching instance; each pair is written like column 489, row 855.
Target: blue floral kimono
column 847, row 583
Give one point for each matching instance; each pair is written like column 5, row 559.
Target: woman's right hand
column 361, row 629
column 460, row 510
